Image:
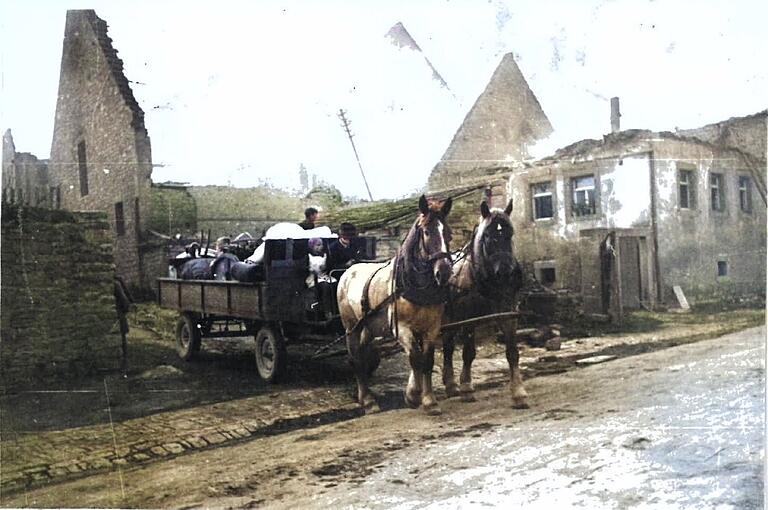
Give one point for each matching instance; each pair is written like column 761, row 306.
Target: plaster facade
column 639, row 179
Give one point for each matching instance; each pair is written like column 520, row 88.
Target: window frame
column 119, row 219
column 82, row 167
column 573, row 196
column 720, row 187
column 690, row 186
column 745, row 193
column 550, row 193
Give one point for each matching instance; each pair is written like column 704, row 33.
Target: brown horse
column 484, row 281
column 403, row 298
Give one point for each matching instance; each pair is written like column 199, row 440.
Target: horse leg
column 449, row 380
column 468, row 356
column 413, row 389
column 428, row 400
column 519, row 395
column 358, row 345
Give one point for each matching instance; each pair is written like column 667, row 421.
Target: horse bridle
column 435, row 256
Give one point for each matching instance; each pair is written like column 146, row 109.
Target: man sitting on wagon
column 341, row 254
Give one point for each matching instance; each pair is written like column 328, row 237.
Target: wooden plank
column 476, row 321
column 681, row 297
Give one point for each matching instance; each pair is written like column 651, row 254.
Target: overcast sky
column 242, row 92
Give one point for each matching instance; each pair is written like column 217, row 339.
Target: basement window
column 545, row 272
column 82, row 165
column 119, row 219
column 722, row 268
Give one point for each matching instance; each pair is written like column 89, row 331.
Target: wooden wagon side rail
column 214, row 297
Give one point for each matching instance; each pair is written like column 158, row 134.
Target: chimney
column 615, row 115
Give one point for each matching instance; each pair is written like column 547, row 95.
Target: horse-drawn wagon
column 275, row 306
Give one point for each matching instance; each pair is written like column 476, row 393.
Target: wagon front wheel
column 187, row 337
column 271, row 355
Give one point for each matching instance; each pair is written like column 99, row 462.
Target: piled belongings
column 223, row 263
column 288, row 231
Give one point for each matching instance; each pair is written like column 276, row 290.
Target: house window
column 722, row 268
column 717, row 193
column 745, row 193
column 542, row 200
column 137, row 216
column 83, row 167
column 119, row 219
column 583, row 196
column 686, row 189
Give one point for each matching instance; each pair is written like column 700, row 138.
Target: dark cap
column 347, row 230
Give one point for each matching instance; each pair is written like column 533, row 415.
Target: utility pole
column 345, row 124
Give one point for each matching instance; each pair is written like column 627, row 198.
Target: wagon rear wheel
column 271, row 355
column 187, row 337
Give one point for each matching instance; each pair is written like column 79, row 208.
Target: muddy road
column 678, row 428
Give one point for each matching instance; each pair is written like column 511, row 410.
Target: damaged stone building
column 25, row 177
column 625, row 219
column 101, row 158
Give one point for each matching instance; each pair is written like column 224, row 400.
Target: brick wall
column 57, row 308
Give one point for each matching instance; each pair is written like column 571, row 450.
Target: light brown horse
column 485, row 280
column 402, row 298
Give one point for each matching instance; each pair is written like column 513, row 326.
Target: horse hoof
column 432, row 409
column 468, row 397
column 520, row 403
column 371, row 408
column 413, row 403
column 452, row 391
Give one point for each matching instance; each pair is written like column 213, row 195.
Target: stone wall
column 100, row 155
column 57, row 307
column 228, row 211
column 504, row 121
column 25, row 177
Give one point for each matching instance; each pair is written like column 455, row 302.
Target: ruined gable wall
column 95, row 106
column 25, row 178
column 748, row 134
column 503, row 122
column 57, row 303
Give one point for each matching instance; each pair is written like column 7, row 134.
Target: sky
column 242, row 93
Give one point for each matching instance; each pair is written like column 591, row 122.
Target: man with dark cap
column 341, row 255
column 310, row 218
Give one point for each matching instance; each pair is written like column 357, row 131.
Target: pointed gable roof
column 76, row 20
column 504, row 120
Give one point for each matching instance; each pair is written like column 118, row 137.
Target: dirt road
column 655, row 429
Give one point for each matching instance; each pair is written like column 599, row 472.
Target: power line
column 345, row 124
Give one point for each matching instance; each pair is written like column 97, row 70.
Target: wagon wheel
column 271, row 356
column 187, row 337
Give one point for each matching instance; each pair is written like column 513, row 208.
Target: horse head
column 430, row 238
column 492, row 243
